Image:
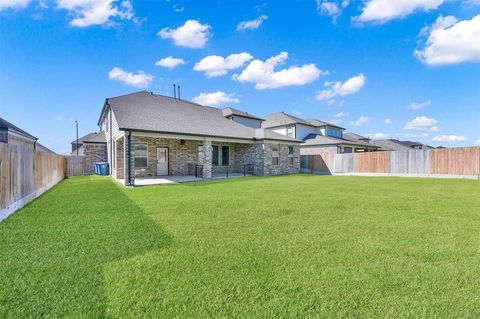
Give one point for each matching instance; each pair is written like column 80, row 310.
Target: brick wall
column 94, row 153
column 179, row 155
column 287, row 163
column 119, row 167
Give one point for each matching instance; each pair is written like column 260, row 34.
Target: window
column 334, row 132
column 290, row 131
column 225, row 155
column 290, row 150
column 141, row 153
column 275, row 154
column 215, row 155
column 290, row 160
column 220, row 155
column 347, row 149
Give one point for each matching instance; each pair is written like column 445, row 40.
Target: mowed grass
column 275, row 247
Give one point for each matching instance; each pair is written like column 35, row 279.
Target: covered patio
column 159, row 180
column 150, row 159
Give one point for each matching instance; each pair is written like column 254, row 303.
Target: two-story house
column 317, row 136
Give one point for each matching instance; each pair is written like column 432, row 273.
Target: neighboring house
column 155, row 135
column 317, row 136
column 94, row 147
column 12, row 134
column 242, row 117
column 396, row 145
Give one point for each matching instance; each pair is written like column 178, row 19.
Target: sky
column 407, row 69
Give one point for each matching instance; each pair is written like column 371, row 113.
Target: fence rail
column 460, row 162
column 26, row 173
column 76, row 165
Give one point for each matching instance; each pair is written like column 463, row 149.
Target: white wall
column 303, row 130
column 247, row 121
column 281, row 130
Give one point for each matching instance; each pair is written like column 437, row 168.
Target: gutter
column 204, row 135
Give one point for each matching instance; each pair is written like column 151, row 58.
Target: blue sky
column 400, row 69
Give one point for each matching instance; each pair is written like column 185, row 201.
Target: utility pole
column 76, row 126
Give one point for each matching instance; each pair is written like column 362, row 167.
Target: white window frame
column 292, row 131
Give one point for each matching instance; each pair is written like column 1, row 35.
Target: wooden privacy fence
column 461, row 162
column 75, row 165
column 25, row 173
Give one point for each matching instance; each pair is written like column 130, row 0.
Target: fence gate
column 75, row 165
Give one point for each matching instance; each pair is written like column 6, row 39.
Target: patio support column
column 128, row 160
column 207, row 158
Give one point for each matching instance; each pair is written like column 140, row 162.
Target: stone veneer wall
column 118, row 170
column 94, row 153
column 179, row 156
column 284, row 166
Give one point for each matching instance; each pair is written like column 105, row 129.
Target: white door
column 162, row 161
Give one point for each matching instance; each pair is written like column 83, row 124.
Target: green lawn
column 275, row 247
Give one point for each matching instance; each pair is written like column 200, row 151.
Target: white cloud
column 362, row 120
column 264, row 76
column 350, row 86
column 215, row 65
column 294, row 112
column 215, row 98
column 422, row 123
column 192, row 34
column 331, row 8
column 177, row 8
column 477, row 142
column 140, row 79
column 451, row 42
column 170, row 62
column 378, row 135
column 13, row 4
column 381, row 11
column 63, row 118
column 423, row 135
column 449, row 138
column 417, row 106
column 96, row 12
column 388, row 121
column 341, row 114
column 252, row 24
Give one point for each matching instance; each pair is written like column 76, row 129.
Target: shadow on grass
column 54, row 251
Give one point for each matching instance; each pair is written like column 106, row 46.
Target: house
column 317, row 136
column 397, row 145
column 94, row 147
column 153, row 135
column 12, row 134
column 242, row 117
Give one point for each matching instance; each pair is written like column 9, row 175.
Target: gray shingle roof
column 94, row 137
column 7, row 126
column 396, row 145
column 229, row 111
column 144, row 111
column 281, row 118
column 355, row 137
column 317, row 139
column 316, row 122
